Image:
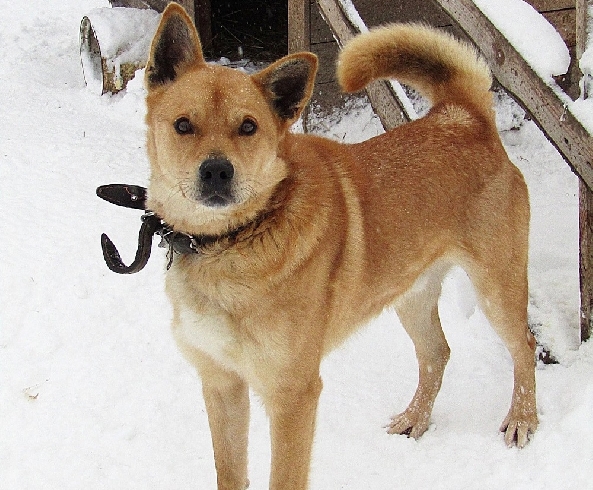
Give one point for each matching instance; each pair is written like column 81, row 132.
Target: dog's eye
column 248, row 127
column 183, row 126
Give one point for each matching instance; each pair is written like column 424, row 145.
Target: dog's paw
column 412, row 423
column 518, row 426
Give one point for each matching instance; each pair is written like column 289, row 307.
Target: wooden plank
column 385, row 104
column 299, row 37
column 547, row 5
column 320, row 31
column 563, row 130
column 581, row 22
column 586, row 259
column 376, row 12
column 328, row 55
column 585, row 205
column 299, row 26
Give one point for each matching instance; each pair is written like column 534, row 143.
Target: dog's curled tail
column 431, row 61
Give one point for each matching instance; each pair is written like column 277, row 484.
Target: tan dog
column 301, row 240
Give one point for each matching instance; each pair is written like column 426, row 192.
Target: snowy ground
column 93, row 393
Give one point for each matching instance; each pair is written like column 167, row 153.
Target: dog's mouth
column 216, row 201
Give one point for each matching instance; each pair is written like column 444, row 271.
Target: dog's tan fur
column 318, row 237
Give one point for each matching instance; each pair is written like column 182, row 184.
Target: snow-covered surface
column 530, row 33
column 124, row 34
column 93, row 393
column 542, row 47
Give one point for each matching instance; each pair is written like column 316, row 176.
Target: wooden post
column 299, row 37
column 299, row 25
column 585, row 204
column 586, row 259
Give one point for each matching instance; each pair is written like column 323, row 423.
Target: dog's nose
column 216, row 172
column 216, row 176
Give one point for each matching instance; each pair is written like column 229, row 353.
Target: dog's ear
column 288, row 84
column 175, row 48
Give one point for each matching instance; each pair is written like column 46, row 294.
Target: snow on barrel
column 114, row 43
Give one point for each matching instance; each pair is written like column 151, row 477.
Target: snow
column 530, row 33
column 94, row 394
column 124, row 36
column 352, row 15
column 125, row 33
column 541, row 45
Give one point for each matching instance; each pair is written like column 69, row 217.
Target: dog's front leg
column 227, row 402
column 292, row 410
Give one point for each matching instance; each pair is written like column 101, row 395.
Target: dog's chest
column 210, row 334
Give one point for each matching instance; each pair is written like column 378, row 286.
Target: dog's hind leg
column 418, row 311
column 503, row 296
column 497, row 266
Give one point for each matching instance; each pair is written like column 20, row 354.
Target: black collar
column 183, row 243
column 132, row 196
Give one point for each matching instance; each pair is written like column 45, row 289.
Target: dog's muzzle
column 215, row 179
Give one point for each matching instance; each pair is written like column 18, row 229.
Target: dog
column 299, row 240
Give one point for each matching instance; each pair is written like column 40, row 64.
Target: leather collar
column 133, row 196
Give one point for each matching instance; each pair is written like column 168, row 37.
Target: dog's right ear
column 175, row 48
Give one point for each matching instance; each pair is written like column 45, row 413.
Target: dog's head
column 214, row 133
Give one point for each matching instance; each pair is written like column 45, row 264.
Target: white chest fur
column 211, row 334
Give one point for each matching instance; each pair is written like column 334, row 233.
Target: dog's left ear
column 175, row 48
column 288, row 84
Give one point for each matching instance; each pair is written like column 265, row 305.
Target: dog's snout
column 216, row 171
column 216, row 177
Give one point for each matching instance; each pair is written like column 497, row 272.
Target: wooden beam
column 547, row 5
column 299, row 38
column 299, row 25
column 546, row 107
column 581, row 26
column 586, row 260
column 385, row 104
column 585, row 204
